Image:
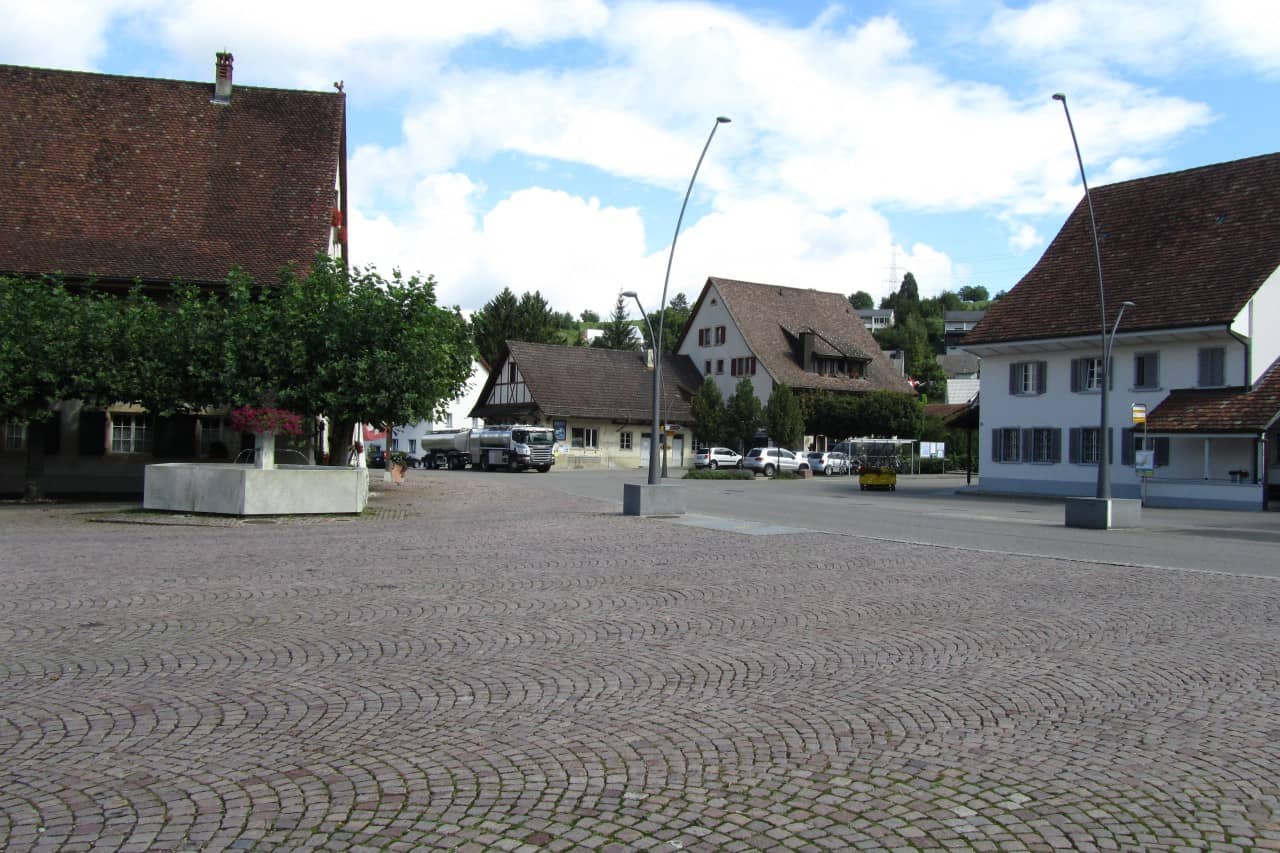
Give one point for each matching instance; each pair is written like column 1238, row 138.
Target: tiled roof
column 771, row 318
column 590, row 382
column 1190, row 248
column 1220, row 409
column 128, row 177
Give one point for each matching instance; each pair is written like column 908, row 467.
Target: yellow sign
column 1139, row 413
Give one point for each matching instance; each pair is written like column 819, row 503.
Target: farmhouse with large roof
column 118, row 180
column 1198, row 253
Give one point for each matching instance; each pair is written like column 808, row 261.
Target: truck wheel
column 542, row 469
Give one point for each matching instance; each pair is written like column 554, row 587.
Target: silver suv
column 767, row 460
column 830, row 463
column 716, row 457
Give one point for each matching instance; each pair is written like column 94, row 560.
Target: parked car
column 830, row 463
column 716, row 457
column 767, row 460
column 377, row 458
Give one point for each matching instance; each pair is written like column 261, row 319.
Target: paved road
column 927, row 509
column 487, row 663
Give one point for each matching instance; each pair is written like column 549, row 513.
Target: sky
column 547, row 144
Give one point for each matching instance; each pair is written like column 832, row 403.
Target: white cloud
column 1141, row 36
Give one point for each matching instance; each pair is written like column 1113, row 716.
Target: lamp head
column 630, row 294
column 1128, row 304
column 723, row 119
column 1058, row 96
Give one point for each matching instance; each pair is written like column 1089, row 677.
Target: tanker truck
column 510, row 448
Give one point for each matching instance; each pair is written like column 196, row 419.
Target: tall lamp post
column 662, row 306
column 631, row 294
column 1103, row 490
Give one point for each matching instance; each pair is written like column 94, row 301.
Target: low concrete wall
column 224, row 489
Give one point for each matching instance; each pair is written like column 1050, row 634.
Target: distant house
column 875, row 319
column 956, row 324
column 806, row 339
column 127, row 179
column 962, row 370
column 1198, row 252
column 599, row 401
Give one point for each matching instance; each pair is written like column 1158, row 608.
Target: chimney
column 222, row 79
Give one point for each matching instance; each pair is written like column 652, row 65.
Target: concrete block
column 644, row 499
column 226, row 489
column 1103, row 513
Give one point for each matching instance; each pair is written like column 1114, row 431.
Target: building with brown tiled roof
column 808, row 340
column 1197, row 252
column 121, row 179
column 600, row 401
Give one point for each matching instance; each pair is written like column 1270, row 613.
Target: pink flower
column 274, row 421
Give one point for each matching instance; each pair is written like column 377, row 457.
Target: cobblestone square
column 481, row 664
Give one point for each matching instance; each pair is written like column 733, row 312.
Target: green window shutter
column 1074, row 451
column 1077, row 367
column 1126, row 446
column 995, row 445
column 1013, row 380
column 1056, row 445
column 1042, row 376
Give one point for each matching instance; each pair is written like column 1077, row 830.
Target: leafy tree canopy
column 861, row 300
column 974, row 293
column 504, row 318
column 618, row 331
column 783, row 418
column 709, row 416
column 743, row 415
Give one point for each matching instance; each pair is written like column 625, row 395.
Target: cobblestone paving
column 480, row 665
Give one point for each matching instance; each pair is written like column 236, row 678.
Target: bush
column 722, row 474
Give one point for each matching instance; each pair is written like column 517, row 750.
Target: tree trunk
column 340, row 441
column 35, row 462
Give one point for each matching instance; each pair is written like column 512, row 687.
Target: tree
column 589, row 316
column 709, row 415
column 618, row 331
column 783, row 419
column 974, row 293
column 877, row 413
column 504, row 318
column 861, row 300
column 676, row 316
column 743, row 415
column 680, row 302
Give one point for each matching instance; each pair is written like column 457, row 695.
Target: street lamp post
column 631, row 294
column 1103, row 489
column 662, row 305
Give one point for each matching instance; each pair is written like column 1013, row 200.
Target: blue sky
column 546, row 144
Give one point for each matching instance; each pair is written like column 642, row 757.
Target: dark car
column 377, row 457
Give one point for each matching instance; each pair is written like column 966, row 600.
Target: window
column 1046, row 445
column 624, row 441
column 129, row 433
column 704, row 337
column 745, row 366
column 448, row 420
column 1146, row 370
column 1028, row 378
column 719, row 365
column 719, row 335
column 1131, row 441
column 1213, row 368
column 395, row 444
column 1086, row 449
column 1086, row 374
column 708, row 370
column 586, row 437
column 413, row 445
column 1006, row 445
column 15, row 434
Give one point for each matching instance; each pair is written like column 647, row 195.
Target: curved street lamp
column 662, row 306
column 1103, row 489
column 631, row 294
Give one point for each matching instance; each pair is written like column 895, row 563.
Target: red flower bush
column 274, row 421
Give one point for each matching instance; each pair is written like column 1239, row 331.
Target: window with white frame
column 624, row 441
column 15, row 435
column 1046, row 445
column 1086, row 374
column 586, row 438
column 413, row 445
column 1146, row 370
column 1086, row 445
column 1028, row 378
column 129, row 433
column 1006, row 445
column 1212, row 367
column 720, row 335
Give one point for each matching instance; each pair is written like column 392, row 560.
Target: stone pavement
column 479, row 664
